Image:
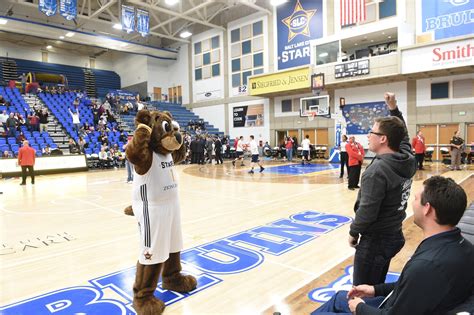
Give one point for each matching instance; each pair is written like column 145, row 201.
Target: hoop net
column 311, row 116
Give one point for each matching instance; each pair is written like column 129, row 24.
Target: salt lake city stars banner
column 48, row 7
column 68, row 9
column 298, row 22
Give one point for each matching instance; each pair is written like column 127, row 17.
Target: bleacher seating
column 105, row 79
column 36, row 139
column 180, row 114
column 60, row 105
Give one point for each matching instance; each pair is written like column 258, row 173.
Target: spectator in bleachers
column 54, row 91
column 76, row 103
column 43, row 119
column 73, row 147
column 103, row 139
column 4, row 101
column 128, row 165
column 46, row 150
column 6, row 155
column 82, row 144
column 123, row 137
column 76, row 121
column 11, row 125
column 21, row 137
column 3, row 119
column 33, row 120
column 23, row 82
column 110, row 116
column 21, row 121
column 104, row 160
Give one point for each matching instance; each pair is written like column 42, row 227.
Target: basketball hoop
column 311, row 116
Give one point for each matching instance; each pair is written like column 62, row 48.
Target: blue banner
column 128, row 18
column 360, row 117
column 447, row 18
column 68, row 9
column 48, row 7
column 298, row 22
column 143, row 22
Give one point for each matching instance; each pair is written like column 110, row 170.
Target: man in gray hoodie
column 376, row 231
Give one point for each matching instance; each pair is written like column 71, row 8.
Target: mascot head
column 165, row 135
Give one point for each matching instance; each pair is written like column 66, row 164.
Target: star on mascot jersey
column 298, row 21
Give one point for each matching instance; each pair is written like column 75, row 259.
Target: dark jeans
column 219, row 157
column 420, row 157
column 354, row 176
column 338, row 304
column 373, row 255
column 344, row 161
column 31, row 171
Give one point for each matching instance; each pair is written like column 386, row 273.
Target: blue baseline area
column 299, row 169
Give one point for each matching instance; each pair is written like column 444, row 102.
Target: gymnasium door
column 322, row 139
column 157, row 94
column 431, row 139
column 470, row 134
column 446, row 132
column 281, row 135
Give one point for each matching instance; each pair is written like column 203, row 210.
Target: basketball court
column 68, row 241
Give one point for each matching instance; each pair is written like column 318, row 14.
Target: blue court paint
column 299, row 169
column 343, row 283
column 222, row 257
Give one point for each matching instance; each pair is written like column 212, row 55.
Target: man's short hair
column 394, row 129
column 447, row 198
column 252, row 137
column 307, row 136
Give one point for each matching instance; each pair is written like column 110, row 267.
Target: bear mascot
column 156, row 146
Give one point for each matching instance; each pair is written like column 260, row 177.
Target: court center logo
column 298, row 22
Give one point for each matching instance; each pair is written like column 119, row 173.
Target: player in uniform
column 239, row 152
column 255, row 156
column 305, row 144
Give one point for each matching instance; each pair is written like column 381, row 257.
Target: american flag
column 352, row 11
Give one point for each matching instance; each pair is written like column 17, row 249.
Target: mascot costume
column 156, row 146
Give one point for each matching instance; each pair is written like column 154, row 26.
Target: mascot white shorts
column 160, row 231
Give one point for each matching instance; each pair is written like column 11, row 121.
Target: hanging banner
column 143, row 22
column 298, row 22
column 48, row 7
column 128, row 18
column 445, row 19
column 68, row 9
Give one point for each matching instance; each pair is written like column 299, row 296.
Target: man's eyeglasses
column 377, row 133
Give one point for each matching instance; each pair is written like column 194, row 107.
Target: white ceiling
column 94, row 23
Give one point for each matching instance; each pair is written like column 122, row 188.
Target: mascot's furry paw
column 149, row 306
column 128, row 211
column 179, row 283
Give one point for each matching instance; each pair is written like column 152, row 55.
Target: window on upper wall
column 439, row 90
column 247, row 52
column 387, row 8
column 207, row 58
column 286, row 106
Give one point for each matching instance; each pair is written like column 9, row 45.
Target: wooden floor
column 70, row 228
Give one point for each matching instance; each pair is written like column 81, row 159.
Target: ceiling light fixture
column 276, row 3
column 3, row 21
column 61, row 37
column 171, row 2
column 389, row 36
column 324, row 54
column 355, row 44
column 185, row 34
column 117, row 26
column 49, row 47
column 70, row 34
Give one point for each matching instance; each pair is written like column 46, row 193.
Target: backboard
column 318, row 104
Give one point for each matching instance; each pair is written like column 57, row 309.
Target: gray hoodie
column 385, row 189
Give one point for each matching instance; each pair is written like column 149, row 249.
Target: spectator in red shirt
column 356, row 153
column 418, row 143
column 26, row 159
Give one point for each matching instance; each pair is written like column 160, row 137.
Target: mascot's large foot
column 173, row 280
column 128, row 210
column 146, row 280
